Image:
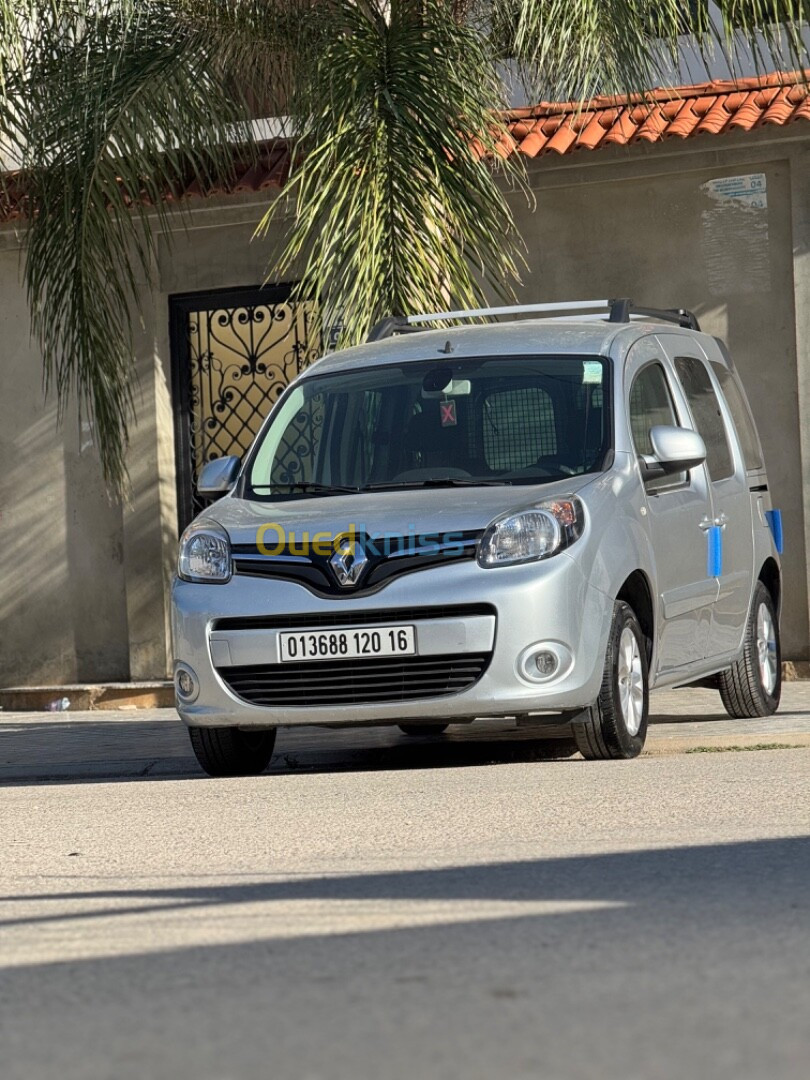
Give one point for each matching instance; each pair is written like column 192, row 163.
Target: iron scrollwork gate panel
column 233, row 354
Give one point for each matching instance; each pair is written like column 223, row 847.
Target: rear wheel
column 615, row 726
column 415, row 730
column 752, row 686
column 230, row 751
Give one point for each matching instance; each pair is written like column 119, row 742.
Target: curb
column 88, row 697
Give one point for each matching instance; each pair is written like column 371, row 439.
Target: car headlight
column 205, row 554
column 534, row 533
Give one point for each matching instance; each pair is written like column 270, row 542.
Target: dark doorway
column 233, row 353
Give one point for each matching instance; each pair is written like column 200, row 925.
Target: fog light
column 545, row 661
column 546, row 664
column 186, row 684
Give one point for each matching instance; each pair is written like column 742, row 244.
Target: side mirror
column 675, row 450
column 218, row 476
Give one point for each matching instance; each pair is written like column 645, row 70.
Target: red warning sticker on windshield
column 447, row 412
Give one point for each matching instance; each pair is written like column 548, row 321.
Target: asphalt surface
column 415, row 912
column 111, row 744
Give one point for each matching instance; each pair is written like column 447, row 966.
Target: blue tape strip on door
column 715, row 554
column 774, row 519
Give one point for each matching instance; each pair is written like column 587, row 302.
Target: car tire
column 752, row 686
column 615, row 726
column 417, row 730
column 230, row 751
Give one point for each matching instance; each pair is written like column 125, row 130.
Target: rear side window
column 697, row 386
column 743, row 420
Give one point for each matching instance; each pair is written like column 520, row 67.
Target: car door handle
column 719, row 522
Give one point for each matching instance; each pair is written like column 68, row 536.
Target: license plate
column 351, row 643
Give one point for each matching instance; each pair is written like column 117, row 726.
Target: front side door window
column 651, row 405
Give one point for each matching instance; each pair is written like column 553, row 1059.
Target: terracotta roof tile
column 710, row 108
column 593, row 132
column 654, row 125
column 748, row 113
column 715, row 119
column 269, row 170
column 780, row 109
column 563, row 138
column 623, row 129
column 684, row 123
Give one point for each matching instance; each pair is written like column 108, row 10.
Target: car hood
column 414, row 511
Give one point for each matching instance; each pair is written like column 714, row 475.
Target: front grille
column 355, row 682
column 351, row 618
column 388, row 558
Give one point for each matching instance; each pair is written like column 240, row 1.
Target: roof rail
column 616, row 311
column 511, row 309
column 621, row 310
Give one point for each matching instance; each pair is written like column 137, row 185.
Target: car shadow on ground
column 99, row 750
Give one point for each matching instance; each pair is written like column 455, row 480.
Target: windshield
column 522, row 420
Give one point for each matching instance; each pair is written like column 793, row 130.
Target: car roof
column 526, row 337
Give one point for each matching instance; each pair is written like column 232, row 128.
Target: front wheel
column 752, row 686
column 230, row 751
column 615, row 726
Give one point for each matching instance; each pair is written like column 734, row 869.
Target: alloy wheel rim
column 766, row 649
column 631, row 681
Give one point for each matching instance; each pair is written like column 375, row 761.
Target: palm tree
column 393, row 109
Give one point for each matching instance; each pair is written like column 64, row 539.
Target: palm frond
column 772, row 32
column 262, row 46
column 396, row 210
column 574, row 49
column 121, row 109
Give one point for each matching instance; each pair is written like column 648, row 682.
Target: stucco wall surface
column 62, row 598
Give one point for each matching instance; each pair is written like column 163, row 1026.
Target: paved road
column 119, row 743
column 554, row 919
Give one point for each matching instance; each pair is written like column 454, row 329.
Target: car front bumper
column 545, row 602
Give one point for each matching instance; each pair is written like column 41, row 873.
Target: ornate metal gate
column 233, row 353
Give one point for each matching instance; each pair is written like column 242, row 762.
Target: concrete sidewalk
column 119, row 744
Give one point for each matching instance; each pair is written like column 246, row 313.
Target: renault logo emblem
column 348, row 562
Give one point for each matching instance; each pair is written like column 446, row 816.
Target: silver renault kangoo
column 543, row 516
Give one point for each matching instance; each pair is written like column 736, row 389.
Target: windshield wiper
column 308, row 485
column 438, row 481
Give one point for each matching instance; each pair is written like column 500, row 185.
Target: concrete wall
column 63, row 611
column 84, row 580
